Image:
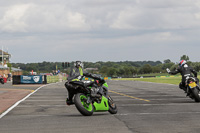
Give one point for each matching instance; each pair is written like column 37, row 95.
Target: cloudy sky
column 100, row 30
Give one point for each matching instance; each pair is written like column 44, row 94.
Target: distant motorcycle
column 192, row 87
column 1, row 80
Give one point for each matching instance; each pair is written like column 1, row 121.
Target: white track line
column 172, row 113
column 12, row 107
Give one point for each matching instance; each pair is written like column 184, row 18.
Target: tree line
column 110, row 69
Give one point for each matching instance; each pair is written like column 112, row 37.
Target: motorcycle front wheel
column 112, row 106
column 81, row 104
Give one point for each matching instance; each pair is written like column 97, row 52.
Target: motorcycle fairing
column 103, row 106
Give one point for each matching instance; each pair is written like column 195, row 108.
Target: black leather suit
column 77, row 74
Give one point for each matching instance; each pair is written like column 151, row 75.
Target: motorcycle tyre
column 2, row 81
column 112, row 110
column 195, row 92
column 80, row 105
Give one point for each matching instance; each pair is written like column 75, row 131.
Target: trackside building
column 4, row 67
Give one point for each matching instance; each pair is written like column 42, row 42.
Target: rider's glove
column 168, row 71
column 79, row 77
column 102, row 81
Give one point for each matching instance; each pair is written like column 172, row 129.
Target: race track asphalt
column 10, row 94
column 142, row 108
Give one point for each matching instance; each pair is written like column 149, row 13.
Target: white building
column 4, row 58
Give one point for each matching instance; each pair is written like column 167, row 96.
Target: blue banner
column 31, row 79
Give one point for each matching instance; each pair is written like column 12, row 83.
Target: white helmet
column 78, row 63
column 182, row 62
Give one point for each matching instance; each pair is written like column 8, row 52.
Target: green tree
column 167, row 61
column 111, row 72
column 184, row 57
column 173, row 67
column 133, row 70
column 145, row 69
column 120, row 72
column 156, row 69
column 104, row 71
column 127, row 70
column 97, row 65
column 196, row 66
column 167, row 65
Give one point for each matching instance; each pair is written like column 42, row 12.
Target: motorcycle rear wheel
column 83, row 107
column 112, row 106
column 195, row 92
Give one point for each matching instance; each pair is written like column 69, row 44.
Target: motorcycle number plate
column 192, row 85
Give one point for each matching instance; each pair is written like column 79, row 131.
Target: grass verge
column 168, row 80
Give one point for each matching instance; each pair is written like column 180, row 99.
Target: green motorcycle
column 92, row 96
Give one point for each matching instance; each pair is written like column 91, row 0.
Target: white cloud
column 128, row 27
column 125, row 19
column 42, row 18
column 12, row 20
column 158, row 14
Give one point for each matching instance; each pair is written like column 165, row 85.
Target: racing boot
column 69, row 102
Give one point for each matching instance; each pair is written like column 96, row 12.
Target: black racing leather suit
column 185, row 71
column 77, row 74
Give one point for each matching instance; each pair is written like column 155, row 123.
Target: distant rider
column 77, row 74
column 185, row 71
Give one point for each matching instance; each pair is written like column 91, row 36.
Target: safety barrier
column 41, row 79
column 29, row 79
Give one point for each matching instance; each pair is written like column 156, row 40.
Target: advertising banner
column 31, row 79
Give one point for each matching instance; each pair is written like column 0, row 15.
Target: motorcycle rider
column 185, row 71
column 77, row 74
